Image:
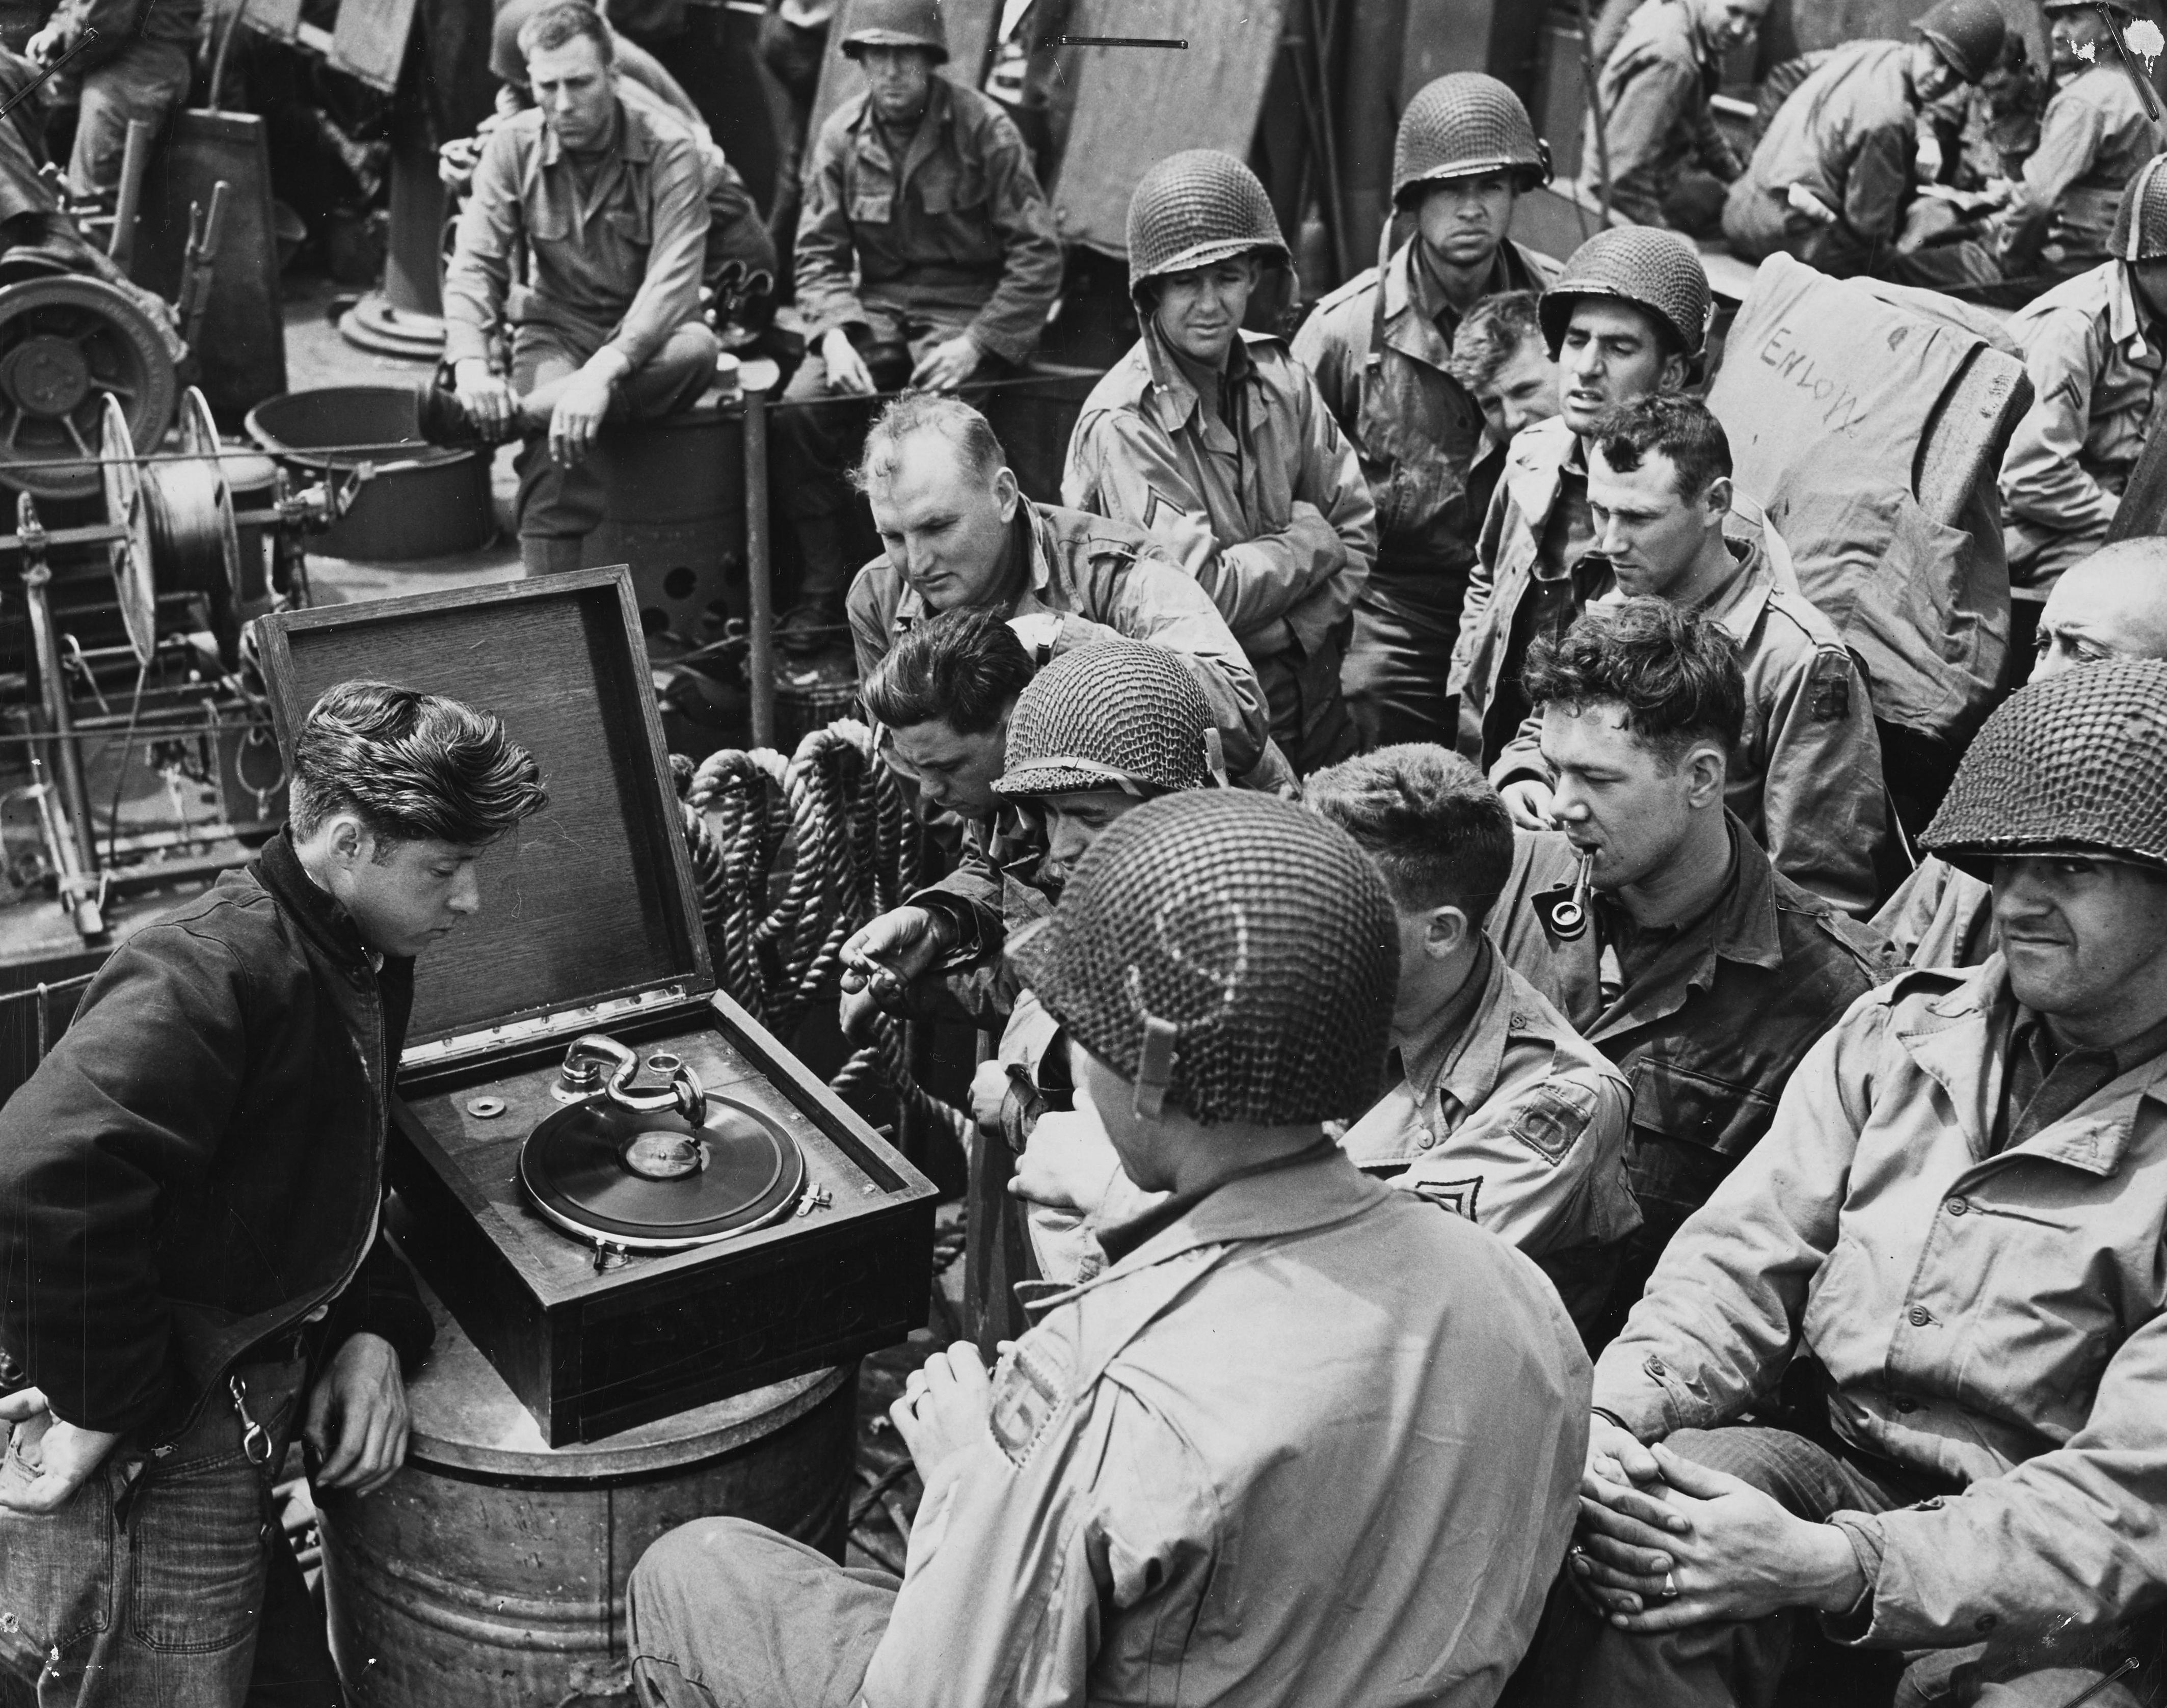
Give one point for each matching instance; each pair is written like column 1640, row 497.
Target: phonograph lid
column 653, row 1180
column 591, row 902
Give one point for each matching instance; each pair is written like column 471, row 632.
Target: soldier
column 734, row 232
column 1100, row 731
column 960, row 535
column 2112, row 605
column 1214, row 440
column 1805, row 778
column 1503, row 361
column 1829, row 181
column 1700, row 970
column 1628, row 316
column 925, row 255
column 1502, row 1112
column 1305, row 1440
column 1952, row 1229
column 1380, row 349
column 2093, row 137
column 138, row 68
column 609, row 201
column 1668, row 161
column 2093, row 346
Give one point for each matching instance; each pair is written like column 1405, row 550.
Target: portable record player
column 631, row 1197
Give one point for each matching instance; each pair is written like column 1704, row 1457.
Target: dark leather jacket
column 197, row 1166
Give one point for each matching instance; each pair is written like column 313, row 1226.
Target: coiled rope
column 836, row 805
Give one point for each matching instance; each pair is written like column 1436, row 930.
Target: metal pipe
column 135, row 161
column 760, row 583
column 67, row 756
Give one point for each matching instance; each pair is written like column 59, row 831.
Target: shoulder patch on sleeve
column 1455, row 1197
column 1027, row 1396
column 1831, row 687
column 1550, row 1122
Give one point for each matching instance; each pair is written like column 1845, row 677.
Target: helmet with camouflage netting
column 1966, row 34
column 2140, row 222
column 1463, row 124
column 1195, row 208
column 2076, row 765
column 1118, row 714
column 1652, row 269
column 1231, row 954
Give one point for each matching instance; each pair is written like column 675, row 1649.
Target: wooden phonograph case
column 631, row 1197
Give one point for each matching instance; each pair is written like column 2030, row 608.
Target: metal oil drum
column 490, row 1572
column 674, row 510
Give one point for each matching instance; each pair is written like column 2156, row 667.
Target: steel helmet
column 1652, row 269
column 1966, row 34
column 2075, row 765
column 1228, row 953
column 2122, row 6
column 1195, row 208
column 896, row 23
column 1461, row 124
column 2140, row 222
column 1118, row 714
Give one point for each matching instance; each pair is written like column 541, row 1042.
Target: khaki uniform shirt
column 1530, row 534
column 1508, row 1118
column 1805, row 775
column 1849, row 134
column 1271, row 1457
column 1655, row 88
column 1095, row 579
column 1996, row 1318
column 2093, row 374
column 623, row 261
column 2095, row 135
column 957, row 232
column 1277, row 525
column 1414, row 429
column 1939, row 917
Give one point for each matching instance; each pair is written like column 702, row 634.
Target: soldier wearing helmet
column 1628, row 317
column 1215, row 441
column 2094, row 136
column 925, row 256
column 1245, row 1462
column 1832, row 175
column 1954, row 1223
column 2094, row 348
column 1381, row 348
column 1667, row 160
column 1100, row 731
column 2112, row 604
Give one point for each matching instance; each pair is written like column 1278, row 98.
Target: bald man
column 2111, row 605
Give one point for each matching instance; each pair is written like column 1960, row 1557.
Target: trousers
column 1580, row 1661
column 1396, row 669
column 1309, row 714
column 724, row 1613
column 164, row 1580
column 146, row 80
column 560, row 507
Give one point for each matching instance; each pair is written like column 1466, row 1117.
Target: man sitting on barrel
column 610, row 201
column 1307, row 1440
column 192, row 1270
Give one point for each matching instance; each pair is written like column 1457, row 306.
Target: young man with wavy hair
column 190, row 1266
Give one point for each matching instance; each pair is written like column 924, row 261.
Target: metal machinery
column 140, row 609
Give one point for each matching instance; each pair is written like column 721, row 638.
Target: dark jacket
column 198, row 1165
column 1712, row 1030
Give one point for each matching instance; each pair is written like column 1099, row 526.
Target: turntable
column 631, row 1197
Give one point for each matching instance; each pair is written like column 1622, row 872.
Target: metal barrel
column 675, row 511
column 491, row 1572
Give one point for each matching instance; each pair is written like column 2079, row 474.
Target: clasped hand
column 882, row 958
column 1664, row 1543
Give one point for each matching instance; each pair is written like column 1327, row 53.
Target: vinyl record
column 654, row 1182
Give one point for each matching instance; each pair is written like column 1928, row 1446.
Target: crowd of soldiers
column 1504, row 1171
column 1426, row 689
